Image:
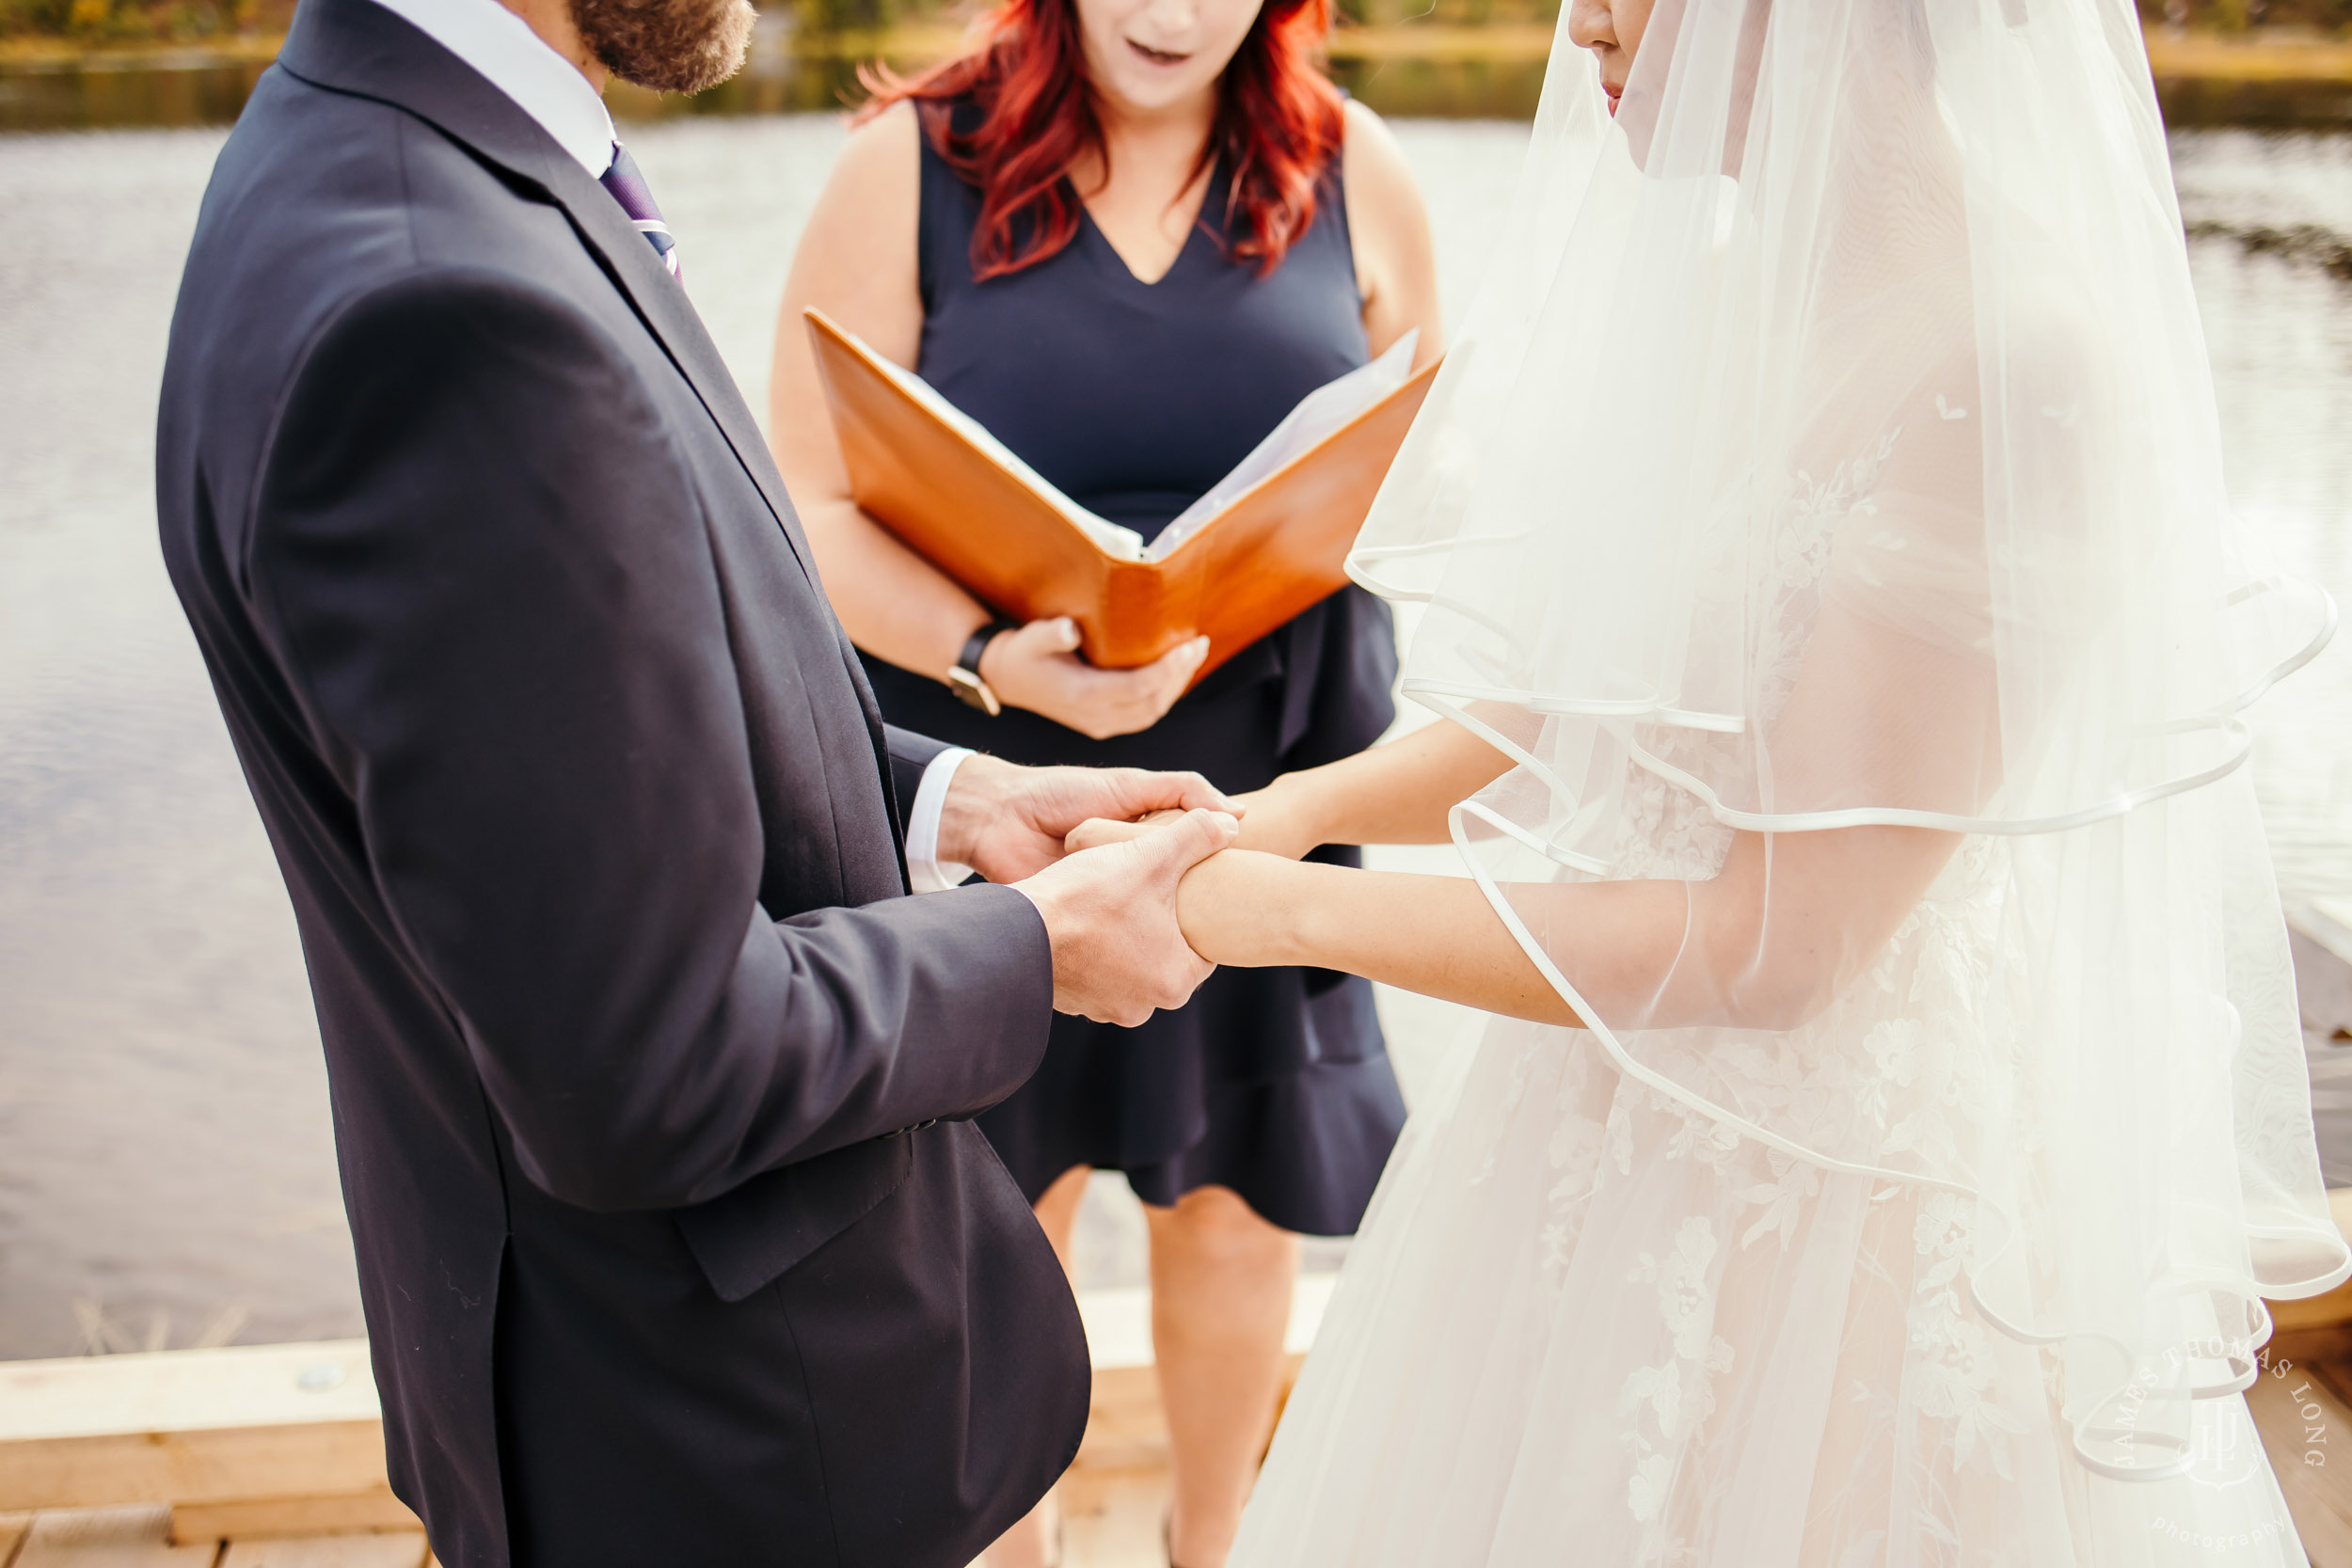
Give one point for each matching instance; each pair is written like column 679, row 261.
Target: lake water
column 165, row 1168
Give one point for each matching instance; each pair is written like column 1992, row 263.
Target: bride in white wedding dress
column 1895, row 1110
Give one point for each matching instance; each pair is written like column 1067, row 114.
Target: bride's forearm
column 1768, row 942
column 1616, row 944
column 1393, row 793
column 1435, row 935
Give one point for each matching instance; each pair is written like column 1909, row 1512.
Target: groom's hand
column 1110, row 914
column 1009, row 822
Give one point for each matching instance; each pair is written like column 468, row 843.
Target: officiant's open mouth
column 1157, row 56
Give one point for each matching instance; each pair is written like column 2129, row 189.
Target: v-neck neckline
column 1192, row 233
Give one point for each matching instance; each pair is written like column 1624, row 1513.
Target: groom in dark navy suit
column 651, row 1081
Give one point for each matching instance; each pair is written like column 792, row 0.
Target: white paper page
column 1317, row 415
column 1123, row 543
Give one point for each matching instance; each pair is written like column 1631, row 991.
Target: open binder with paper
column 1266, row 542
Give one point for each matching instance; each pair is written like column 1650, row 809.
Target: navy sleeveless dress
column 1134, row 399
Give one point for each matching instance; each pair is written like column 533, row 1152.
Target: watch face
column 973, row 689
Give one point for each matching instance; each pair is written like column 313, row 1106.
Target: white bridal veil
column 1824, row 506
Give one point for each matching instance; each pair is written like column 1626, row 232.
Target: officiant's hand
column 1038, row 667
column 1009, row 822
column 1110, row 912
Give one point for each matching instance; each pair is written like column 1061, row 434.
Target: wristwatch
column 964, row 679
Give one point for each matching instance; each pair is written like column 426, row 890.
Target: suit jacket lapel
column 662, row 303
column 360, row 47
column 357, row 46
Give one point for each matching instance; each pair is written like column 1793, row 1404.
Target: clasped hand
column 1109, row 910
column 1230, row 907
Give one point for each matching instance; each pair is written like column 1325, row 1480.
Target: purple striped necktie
column 629, row 189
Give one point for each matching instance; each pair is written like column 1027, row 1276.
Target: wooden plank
column 2318, row 1328
column 187, row 1390
column 1125, row 1429
column 402, row 1550
column 1113, row 1519
column 2299, row 1415
column 2337, row 1375
column 194, row 1466
column 108, row 1538
column 277, row 1440
column 2323, row 1345
column 190, row 1426
column 260, row 1518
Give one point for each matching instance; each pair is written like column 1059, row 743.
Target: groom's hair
column 1277, row 127
column 668, row 45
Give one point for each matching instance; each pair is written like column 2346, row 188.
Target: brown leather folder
column 1280, row 547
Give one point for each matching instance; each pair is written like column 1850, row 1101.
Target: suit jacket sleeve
column 478, row 552
column 910, row 754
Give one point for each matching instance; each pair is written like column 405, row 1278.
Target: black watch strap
column 977, row 644
column 964, row 678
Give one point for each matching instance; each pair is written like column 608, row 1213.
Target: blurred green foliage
column 861, row 16
column 143, row 21
column 194, row 20
column 831, row 16
column 1449, row 13
column 2331, row 17
column 836, row 16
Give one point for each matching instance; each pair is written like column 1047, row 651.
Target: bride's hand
column 1232, row 909
column 1282, row 818
column 1098, row 831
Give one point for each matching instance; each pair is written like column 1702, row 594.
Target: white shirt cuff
column 926, row 871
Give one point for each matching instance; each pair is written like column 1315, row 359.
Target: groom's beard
column 668, row 45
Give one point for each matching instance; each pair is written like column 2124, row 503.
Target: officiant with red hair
column 1127, row 236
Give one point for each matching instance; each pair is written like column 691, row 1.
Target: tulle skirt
column 1583, row 1324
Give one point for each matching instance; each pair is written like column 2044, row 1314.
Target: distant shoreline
column 2250, row 57
column 2257, row 55
column 2267, row 80
column 57, row 54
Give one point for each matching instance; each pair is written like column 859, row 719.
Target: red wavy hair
column 1277, row 126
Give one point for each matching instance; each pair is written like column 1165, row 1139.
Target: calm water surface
column 166, row 1164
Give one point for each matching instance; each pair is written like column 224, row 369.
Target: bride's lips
column 1614, row 93
column 1156, row 56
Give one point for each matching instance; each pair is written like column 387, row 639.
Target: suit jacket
column 649, row 1081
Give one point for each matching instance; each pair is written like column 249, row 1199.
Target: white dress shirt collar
column 516, row 61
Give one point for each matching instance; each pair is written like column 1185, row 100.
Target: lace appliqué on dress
column 1669, row 1402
